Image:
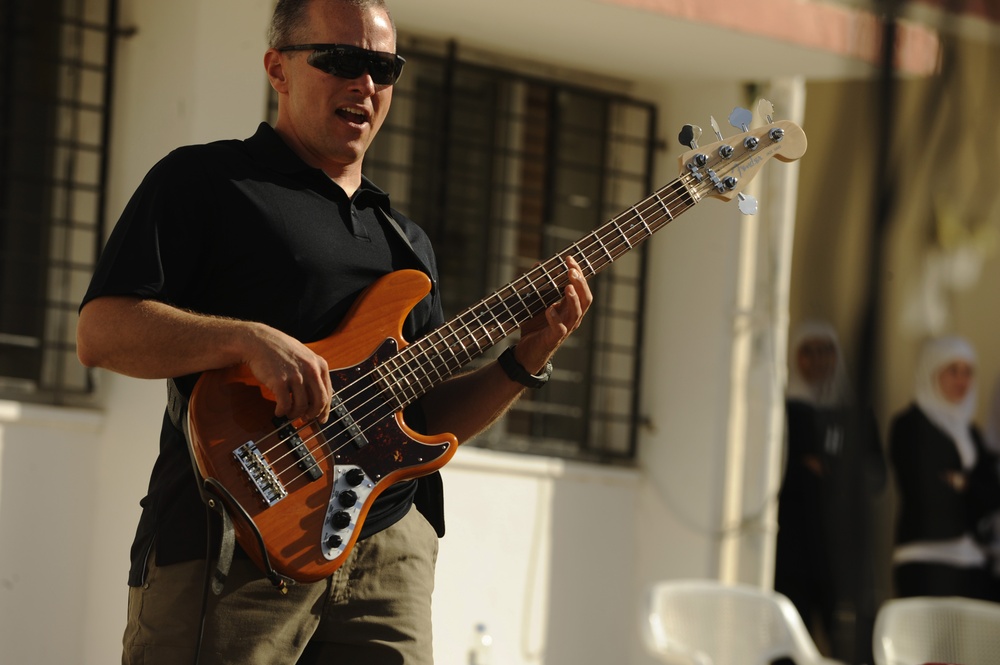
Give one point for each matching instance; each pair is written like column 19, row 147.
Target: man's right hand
column 298, row 377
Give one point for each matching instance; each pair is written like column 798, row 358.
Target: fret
column 385, row 376
column 634, row 234
column 663, row 204
column 534, row 287
column 387, row 385
column 649, row 231
column 583, row 260
column 459, row 344
column 501, row 322
column 403, row 382
column 689, row 190
column 622, row 234
column 441, row 344
column 473, row 337
column 576, row 252
column 422, row 375
column 484, row 327
column 508, row 322
column 457, row 341
column 525, row 307
column 398, row 392
column 554, row 284
column 503, row 301
column 421, row 361
column 437, row 372
column 611, row 259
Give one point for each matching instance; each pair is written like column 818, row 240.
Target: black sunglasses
column 350, row 62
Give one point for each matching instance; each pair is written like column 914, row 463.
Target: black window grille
column 504, row 170
column 55, row 84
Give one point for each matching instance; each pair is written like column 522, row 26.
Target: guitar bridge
column 260, row 474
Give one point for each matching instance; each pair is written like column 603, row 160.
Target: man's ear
column 274, row 65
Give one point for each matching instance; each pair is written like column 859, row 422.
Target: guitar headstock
column 724, row 168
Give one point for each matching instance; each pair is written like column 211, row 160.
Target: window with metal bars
column 505, row 170
column 55, row 79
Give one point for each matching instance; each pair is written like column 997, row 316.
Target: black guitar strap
column 394, row 225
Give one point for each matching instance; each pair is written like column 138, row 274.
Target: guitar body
column 303, row 489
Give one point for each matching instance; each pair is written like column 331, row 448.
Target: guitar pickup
column 260, row 473
column 298, row 447
column 347, row 423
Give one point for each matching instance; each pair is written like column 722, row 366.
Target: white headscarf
column 953, row 418
column 830, row 393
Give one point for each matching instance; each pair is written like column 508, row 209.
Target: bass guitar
column 298, row 492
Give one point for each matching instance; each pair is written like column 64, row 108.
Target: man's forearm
column 469, row 403
column 151, row 340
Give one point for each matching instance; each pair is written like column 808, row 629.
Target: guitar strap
column 396, row 227
column 389, row 219
column 177, row 412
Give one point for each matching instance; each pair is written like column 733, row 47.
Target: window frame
column 71, row 183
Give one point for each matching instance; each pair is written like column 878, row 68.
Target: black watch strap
column 516, row 372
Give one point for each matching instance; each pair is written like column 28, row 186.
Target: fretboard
column 422, row 365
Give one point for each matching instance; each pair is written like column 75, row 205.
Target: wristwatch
column 516, row 372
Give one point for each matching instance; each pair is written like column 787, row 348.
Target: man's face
column 328, row 120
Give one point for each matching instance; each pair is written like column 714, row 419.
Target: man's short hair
column 290, row 18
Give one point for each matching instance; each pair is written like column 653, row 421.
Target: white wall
column 49, row 478
column 542, row 552
column 552, row 556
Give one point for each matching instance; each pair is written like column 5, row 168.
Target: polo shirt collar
column 267, row 147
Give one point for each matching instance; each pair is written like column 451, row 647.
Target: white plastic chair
column 704, row 622
column 914, row 631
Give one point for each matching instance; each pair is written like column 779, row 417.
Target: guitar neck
column 422, row 365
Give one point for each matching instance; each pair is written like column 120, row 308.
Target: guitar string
column 706, row 186
column 680, row 188
column 616, row 250
column 622, row 245
column 658, row 202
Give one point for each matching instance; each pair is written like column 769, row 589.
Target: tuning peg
column 715, row 127
column 747, row 204
column 765, row 109
column 689, row 136
column 740, row 118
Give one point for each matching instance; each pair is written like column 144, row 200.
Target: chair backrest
column 705, row 622
column 913, row 631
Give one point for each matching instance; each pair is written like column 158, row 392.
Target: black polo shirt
column 246, row 229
